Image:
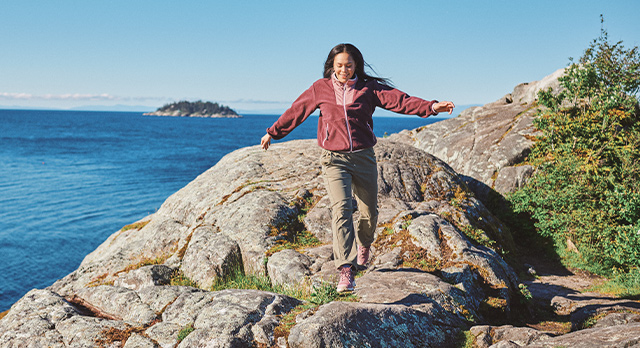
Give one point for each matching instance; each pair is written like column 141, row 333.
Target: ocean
column 69, row 179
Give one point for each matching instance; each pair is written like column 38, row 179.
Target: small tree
column 586, row 191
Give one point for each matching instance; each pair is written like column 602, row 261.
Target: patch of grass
column 460, row 197
column 592, row 320
column 524, row 291
column 478, row 236
column 292, row 231
column 413, row 255
column 185, row 332
column 288, row 320
column 237, row 279
column 323, row 294
column 99, row 280
column 466, row 339
column 179, row 279
column 623, row 286
column 135, row 226
column 553, row 326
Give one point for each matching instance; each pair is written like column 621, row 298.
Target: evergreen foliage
column 586, row 189
column 199, row 107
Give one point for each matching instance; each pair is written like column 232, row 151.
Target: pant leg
column 337, row 176
column 365, row 188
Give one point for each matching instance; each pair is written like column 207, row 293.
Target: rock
column 45, row 319
column 144, row 277
column 319, row 256
column 345, row 324
column 32, row 320
column 159, row 297
column 120, row 303
column 139, row 341
column 414, row 288
column 511, row 179
column 614, row 319
column 235, row 212
column 423, row 239
column 481, row 141
column 165, row 334
column 228, row 316
column 288, row 267
column 614, row 336
column 504, row 336
column 318, row 220
column 210, row 255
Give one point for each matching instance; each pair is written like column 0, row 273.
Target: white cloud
column 73, row 96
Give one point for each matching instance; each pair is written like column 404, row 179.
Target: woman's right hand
column 265, row 141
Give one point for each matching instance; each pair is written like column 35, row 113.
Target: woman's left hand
column 265, row 141
column 445, row 106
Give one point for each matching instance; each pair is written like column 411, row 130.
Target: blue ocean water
column 69, row 179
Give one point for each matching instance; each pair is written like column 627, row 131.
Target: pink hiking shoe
column 347, row 281
column 363, row 255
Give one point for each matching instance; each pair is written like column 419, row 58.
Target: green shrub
column 585, row 192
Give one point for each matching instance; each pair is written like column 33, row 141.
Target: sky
column 258, row 56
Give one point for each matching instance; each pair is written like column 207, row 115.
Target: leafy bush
column 586, row 193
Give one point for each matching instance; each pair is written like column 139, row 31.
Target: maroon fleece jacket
column 347, row 127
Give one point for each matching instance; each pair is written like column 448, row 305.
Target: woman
column 347, row 97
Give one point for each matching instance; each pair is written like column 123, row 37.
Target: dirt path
column 562, row 303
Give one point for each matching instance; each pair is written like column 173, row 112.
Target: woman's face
column 344, row 66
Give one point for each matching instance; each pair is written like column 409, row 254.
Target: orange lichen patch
column 225, row 198
column 412, row 255
column 257, row 186
column 144, row 262
column 494, row 309
column 553, row 327
column 135, row 226
column 99, row 280
column 183, row 250
column 113, row 335
column 3, row 314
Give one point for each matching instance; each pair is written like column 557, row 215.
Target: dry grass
column 135, row 226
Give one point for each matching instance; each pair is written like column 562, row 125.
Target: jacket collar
column 349, row 83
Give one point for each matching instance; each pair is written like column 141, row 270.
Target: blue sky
column 257, row 56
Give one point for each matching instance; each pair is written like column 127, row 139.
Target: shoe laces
column 346, row 272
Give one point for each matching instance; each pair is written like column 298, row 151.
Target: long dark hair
column 358, row 59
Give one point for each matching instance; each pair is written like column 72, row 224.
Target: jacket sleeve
column 299, row 111
column 397, row 101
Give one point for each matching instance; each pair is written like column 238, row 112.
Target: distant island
column 194, row 109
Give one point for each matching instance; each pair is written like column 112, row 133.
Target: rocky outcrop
column 436, row 265
column 486, row 144
column 429, row 259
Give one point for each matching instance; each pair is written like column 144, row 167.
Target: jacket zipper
column 346, row 119
column 326, row 133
